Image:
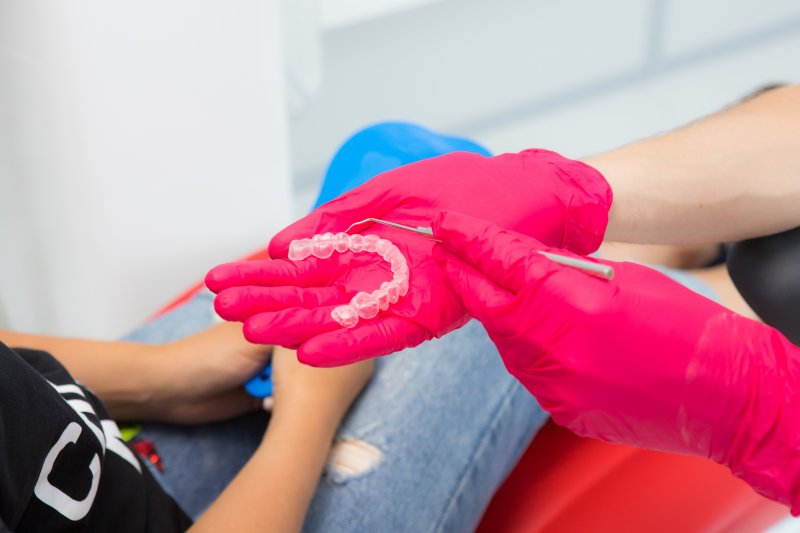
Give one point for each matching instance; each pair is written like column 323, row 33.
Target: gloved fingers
column 365, row 201
column 483, row 299
column 239, row 303
column 369, row 338
column 289, row 327
column 274, row 272
column 509, row 259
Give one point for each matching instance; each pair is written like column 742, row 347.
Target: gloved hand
column 562, row 202
column 640, row 359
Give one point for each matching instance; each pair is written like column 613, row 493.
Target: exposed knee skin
column 350, row 458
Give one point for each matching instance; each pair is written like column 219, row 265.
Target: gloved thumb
column 481, row 297
column 507, row 258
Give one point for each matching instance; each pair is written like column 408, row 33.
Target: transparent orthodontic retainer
column 364, row 305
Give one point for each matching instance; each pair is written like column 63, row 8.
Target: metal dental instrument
column 419, row 230
column 597, row 269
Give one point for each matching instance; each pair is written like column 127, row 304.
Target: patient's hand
column 203, row 375
column 302, row 389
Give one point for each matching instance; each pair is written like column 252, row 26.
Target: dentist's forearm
column 730, row 176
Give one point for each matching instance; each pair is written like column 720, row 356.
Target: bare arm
column 121, row 374
column 195, row 379
column 272, row 492
column 730, row 176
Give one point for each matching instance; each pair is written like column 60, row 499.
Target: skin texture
column 727, row 177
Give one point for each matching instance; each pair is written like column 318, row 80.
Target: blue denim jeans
column 447, row 420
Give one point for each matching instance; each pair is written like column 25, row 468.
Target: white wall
column 140, row 144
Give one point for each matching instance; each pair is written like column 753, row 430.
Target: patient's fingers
column 369, row 338
column 323, row 342
column 289, row 327
column 274, row 272
column 239, row 303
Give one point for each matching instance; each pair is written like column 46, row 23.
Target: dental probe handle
column 597, row 269
column 603, row 271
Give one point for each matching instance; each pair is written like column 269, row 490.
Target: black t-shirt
column 63, row 465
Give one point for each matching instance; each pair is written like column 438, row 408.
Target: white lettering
column 109, row 436
column 115, row 444
column 82, row 407
column 69, row 507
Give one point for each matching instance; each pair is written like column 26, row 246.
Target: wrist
column 171, row 377
column 309, row 409
column 589, row 208
column 138, row 388
column 320, row 394
column 164, row 373
column 584, row 193
column 625, row 173
column 306, row 425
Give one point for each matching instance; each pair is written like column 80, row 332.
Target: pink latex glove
column 537, row 192
column 639, row 360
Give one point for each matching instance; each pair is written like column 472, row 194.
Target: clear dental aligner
column 363, row 304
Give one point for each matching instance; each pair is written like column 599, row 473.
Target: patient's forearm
column 727, row 177
column 272, row 492
column 124, row 375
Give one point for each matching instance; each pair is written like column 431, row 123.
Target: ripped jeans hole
column 350, row 458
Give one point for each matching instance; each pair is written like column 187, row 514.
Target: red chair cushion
column 565, row 483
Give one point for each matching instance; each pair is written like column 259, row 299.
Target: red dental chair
column 565, row 483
